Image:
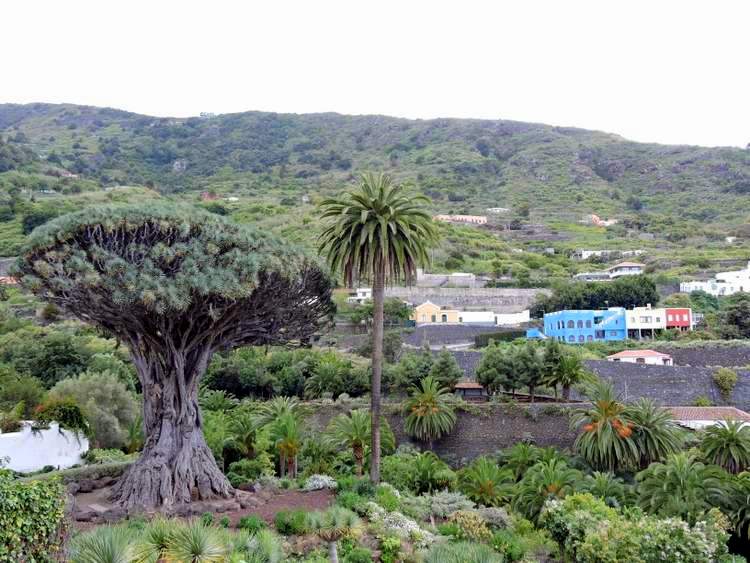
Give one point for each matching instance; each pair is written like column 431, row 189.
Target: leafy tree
column 174, row 284
column 445, row 370
column 430, row 414
column 376, row 233
column 413, row 368
column 36, row 218
column 544, row 481
column 485, row 483
column 353, row 431
column 655, row 433
column 681, row 486
column 108, row 405
column 15, row 389
column 734, row 317
column 606, row 434
column 529, row 363
column 497, row 370
column 395, row 312
column 727, row 445
column 569, row 372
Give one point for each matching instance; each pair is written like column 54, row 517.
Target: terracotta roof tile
column 708, row 413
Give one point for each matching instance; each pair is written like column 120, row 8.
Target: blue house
column 577, row 327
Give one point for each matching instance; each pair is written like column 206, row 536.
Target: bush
column 108, row 405
column 388, row 498
column 31, row 519
column 508, row 545
column 462, row 552
column 224, row 522
column 65, row 412
column 358, row 555
column 725, row 380
column 251, row 524
column 471, row 524
column 104, row 456
column 445, row 503
column 291, row 522
column 482, row 340
column 496, row 518
column 250, row 470
column 207, row 518
column 390, row 549
column 352, row 501
column 319, row 482
column 14, row 389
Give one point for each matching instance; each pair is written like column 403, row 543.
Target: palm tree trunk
column 333, row 553
column 359, row 458
column 378, row 295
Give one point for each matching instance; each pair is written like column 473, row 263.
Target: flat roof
column 639, row 354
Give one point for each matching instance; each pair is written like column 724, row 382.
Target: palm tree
column 244, row 432
column 333, row 525
column 520, row 457
column 655, row 432
column 728, row 445
column 287, row 436
column 607, row 487
column 378, row 233
column 605, row 441
column 485, row 483
column 681, row 486
column 354, row 431
column 568, row 372
column 430, row 415
column 544, row 481
column 275, row 408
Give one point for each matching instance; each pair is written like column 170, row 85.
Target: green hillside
column 678, row 202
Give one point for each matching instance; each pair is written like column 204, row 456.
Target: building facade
column 680, row 318
column 723, row 284
column 429, row 312
column 649, row 357
column 578, row 327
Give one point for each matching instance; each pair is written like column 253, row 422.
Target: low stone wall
column 488, row 428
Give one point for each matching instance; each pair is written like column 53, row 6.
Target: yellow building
column 428, row 312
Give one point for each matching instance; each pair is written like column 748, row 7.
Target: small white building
column 698, row 418
column 645, row 321
column 650, row 357
column 360, row 295
column 625, row 269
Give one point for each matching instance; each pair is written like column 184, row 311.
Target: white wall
column 513, row 318
column 30, row 451
column 649, row 360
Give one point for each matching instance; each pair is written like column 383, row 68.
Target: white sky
column 656, row 70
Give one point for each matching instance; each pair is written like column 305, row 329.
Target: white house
column 360, row 295
column 625, row 269
column 698, row 418
column 650, row 357
column 724, row 283
column 583, row 254
column 645, row 321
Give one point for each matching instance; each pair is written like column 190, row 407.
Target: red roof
column 468, row 385
column 639, row 354
column 708, row 413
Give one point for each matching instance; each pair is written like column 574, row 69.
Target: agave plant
column 463, row 552
column 333, row 525
column 106, row 544
column 430, row 414
column 196, row 543
column 155, row 539
column 262, row 547
column 655, row 433
column 545, row 481
column 606, row 439
column 485, row 483
column 728, row 445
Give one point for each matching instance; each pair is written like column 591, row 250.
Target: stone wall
column 499, row 300
column 487, row 429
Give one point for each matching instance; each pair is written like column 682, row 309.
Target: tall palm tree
column 379, row 233
column 606, row 435
column 655, row 432
column 430, row 414
column 355, row 431
column 728, row 445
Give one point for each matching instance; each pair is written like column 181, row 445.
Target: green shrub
column 65, row 412
column 508, row 544
column 450, row 529
column 97, row 455
column 224, row 522
column 390, row 549
column 365, row 487
column 207, row 518
column 249, row 470
column 252, row 523
column 15, row 389
column 31, row 519
column 352, row 501
column 387, row 498
column 482, row 340
column 463, row 552
column 471, row 524
column 358, row 555
column 291, row 522
column 725, row 380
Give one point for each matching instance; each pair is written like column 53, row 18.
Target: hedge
column 482, row 340
column 31, row 518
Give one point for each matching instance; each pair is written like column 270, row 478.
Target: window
column 444, row 318
column 613, row 333
column 580, row 324
column 589, row 338
column 669, row 318
column 580, row 338
column 571, row 324
column 615, row 359
column 658, row 319
column 599, row 334
column 685, row 317
column 645, row 319
column 588, row 324
column 666, row 361
column 460, row 319
column 640, row 360
column 571, row 338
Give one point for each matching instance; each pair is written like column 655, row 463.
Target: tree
column 568, row 372
column 734, row 318
column 728, row 445
column 429, row 412
column 445, row 370
column 333, row 525
column 529, row 362
column 377, row 233
column 497, row 370
column 546, row 480
column 108, row 405
column 485, row 483
column 606, row 435
column 655, row 433
column 353, row 431
column 175, row 284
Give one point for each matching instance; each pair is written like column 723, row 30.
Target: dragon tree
column 175, row 284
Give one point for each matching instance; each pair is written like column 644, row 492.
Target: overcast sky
column 657, row 70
